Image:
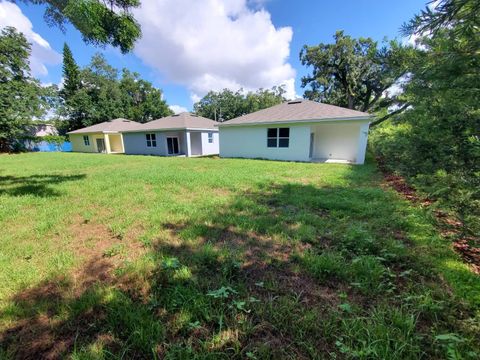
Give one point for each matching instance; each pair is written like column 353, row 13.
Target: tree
column 460, row 15
column 100, row 95
column 21, row 96
column 354, row 73
column 101, row 22
column 71, row 74
column 436, row 142
column 141, row 101
column 226, row 104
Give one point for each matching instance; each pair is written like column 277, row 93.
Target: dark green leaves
column 354, row 73
column 107, row 22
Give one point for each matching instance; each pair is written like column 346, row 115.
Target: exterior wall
column 251, row 142
column 79, row 146
column 135, row 143
column 210, row 148
column 196, row 143
column 340, row 141
column 115, row 142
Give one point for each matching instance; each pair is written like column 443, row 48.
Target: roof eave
column 169, row 129
column 275, row 122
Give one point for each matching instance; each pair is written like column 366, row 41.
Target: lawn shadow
column 206, row 269
column 37, row 185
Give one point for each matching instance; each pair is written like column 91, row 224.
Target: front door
column 312, row 144
column 100, row 145
column 172, row 145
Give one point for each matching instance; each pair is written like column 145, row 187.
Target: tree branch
column 388, row 116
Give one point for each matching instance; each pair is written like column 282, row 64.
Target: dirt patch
column 450, row 227
column 41, row 334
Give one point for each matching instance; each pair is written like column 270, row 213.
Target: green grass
column 107, row 257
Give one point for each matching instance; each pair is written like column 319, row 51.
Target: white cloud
column 433, row 5
column 177, row 109
column 215, row 44
column 415, row 41
column 398, row 86
column 42, row 53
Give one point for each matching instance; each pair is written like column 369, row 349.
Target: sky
column 189, row 47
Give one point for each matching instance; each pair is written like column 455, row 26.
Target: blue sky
column 191, row 46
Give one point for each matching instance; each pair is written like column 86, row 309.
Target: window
column 151, row 140
column 210, row 137
column 278, row 137
column 86, row 140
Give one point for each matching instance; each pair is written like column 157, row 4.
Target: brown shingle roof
column 116, row 125
column 180, row 121
column 297, row 110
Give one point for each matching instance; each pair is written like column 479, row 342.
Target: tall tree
column 354, row 73
column 141, row 100
column 101, row 22
column 226, row 104
column 21, row 96
column 71, row 74
column 99, row 94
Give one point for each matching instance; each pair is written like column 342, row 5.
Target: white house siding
column 251, row 142
column 340, row 140
column 196, row 143
column 210, row 148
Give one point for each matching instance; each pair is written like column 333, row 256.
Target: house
column 182, row 134
column 38, row 137
column 105, row 137
column 40, row 129
column 299, row 130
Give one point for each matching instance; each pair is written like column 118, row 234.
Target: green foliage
column 460, row 15
column 226, row 104
column 53, row 139
column 102, row 23
column 388, row 333
column 71, row 74
column 96, row 94
column 328, row 265
column 21, row 97
column 436, row 143
column 354, row 73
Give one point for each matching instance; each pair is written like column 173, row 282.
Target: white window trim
column 152, row 140
column 210, row 137
column 277, row 138
column 86, row 140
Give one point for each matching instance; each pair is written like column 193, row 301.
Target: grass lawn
column 107, row 257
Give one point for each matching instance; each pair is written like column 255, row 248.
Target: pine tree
column 71, row 74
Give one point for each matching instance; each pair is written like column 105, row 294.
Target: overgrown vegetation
column 196, row 258
column 436, row 143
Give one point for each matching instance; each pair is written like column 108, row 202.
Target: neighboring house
column 182, row 134
column 105, row 137
column 37, row 134
column 42, row 129
column 299, row 130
